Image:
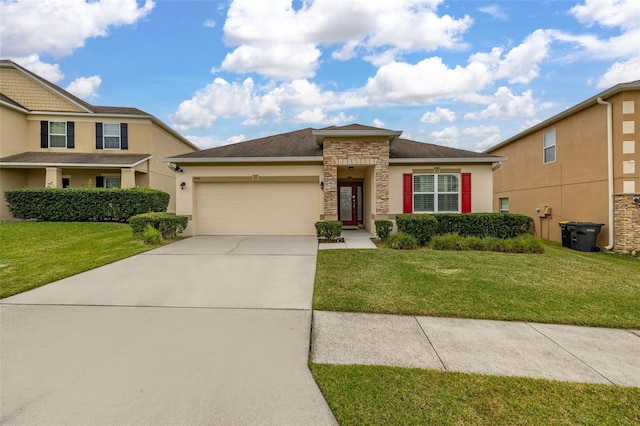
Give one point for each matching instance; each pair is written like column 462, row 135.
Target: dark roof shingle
column 73, row 158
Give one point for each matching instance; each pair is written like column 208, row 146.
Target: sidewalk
column 546, row 351
column 353, row 239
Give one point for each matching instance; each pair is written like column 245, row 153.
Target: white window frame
column 547, row 145
column 435, row 192
column 105, row 136
column 50, row 133
column 500, row 205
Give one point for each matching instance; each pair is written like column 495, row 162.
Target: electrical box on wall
column 544, row 210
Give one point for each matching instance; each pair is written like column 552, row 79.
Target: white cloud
column 209, row 23
column 438, row 116
column 507, row 105
column 448, row 136
column 50, row 72
column 429, row 79
column 85, row 87
column 481, row 130
column 625, row 45
column 608, row 13
column 375, row 27
column 317, row 116
column 58, row 27
column 522, row 63
column 223, row 99
column 378, row 123
column 621, row 72
column 488, row 141
column 205, row 142
column 495, row 11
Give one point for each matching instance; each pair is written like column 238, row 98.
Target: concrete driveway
column 209, row 330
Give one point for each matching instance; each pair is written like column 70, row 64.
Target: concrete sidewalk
column 546, row 351
column 353, row 239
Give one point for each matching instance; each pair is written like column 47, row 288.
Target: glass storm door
column 349, row 202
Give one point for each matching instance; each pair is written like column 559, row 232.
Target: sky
column 466, row 74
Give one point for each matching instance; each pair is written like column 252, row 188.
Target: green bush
column 499, row 225
column 520, row 244
column 168, row 224
column 421, row 226
column 330, row 229
column 151, row 235
column 402, row 241
column 84, row 204
column 383, row 228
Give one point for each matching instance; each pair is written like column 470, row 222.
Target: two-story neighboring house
column 580, row 165
column 50, row 138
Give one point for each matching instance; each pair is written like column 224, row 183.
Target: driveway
column 209, row 330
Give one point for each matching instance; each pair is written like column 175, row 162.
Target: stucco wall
column 13, row 131
column 481, row 184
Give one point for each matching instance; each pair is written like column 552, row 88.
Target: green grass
column 37, row 253
column 560, row 286
column 373, row 395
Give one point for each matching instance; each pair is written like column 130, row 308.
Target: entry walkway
column 546, row 351
column 353, row 239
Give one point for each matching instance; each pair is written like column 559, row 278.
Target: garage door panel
column 256, row 208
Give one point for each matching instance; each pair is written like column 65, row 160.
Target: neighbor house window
column 434, row 193
column 112, row 182
column 57, row 134
column 549, row 146
column 111, row 135
column 504, row 205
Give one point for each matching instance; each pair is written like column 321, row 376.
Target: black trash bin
column 566, row 233
column 584, row 235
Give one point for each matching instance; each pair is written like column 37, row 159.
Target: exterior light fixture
column 182, row 185
column 322, row 185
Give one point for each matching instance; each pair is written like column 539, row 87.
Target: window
column 57, row 134
column 436, row 193
column 504, row 205
column 111, row 135
column 111, row 182
column 549, row 146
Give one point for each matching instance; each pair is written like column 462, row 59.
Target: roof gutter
column 196, row 160
column 448, row 160
column 609, row 168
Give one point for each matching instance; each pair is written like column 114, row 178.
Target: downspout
column 609, row 169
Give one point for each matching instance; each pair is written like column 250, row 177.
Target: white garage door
column 256, row 208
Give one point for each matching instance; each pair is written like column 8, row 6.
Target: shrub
column 383, row 228
column 402, row 241
column 421, row 226
column 330, row 229
column 84, row 204
column 499, row 225
column 151, row 235
column 520, row 244
column 168, row 224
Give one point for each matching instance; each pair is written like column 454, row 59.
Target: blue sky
column 465, row 74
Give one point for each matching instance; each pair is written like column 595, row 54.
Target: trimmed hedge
column 169, row 224
column 420, row 226
column 520, row 244
column 84, row 204
column 383, row 228
column 402, row 241
column 499, row 225
column 330, row 229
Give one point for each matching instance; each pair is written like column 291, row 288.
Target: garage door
column 256, row 208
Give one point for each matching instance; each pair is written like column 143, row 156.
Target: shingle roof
column 10, row 101
column 73, row 159
column 302, row 143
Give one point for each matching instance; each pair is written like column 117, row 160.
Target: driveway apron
column 208, row 330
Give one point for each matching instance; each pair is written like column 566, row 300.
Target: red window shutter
column 466, row 192
column 407, row 193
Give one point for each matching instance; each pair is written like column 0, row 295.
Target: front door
column 350, row 203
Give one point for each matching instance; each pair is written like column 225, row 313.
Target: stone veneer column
column 626, row 224
column 356, row 152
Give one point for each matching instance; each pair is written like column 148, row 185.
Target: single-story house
column 285, row 183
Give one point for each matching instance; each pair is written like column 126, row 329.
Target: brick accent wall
column 31, row 95
column 626, row 224
column 341, row 152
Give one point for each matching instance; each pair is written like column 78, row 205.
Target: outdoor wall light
column 182, row 185
column 322, row 185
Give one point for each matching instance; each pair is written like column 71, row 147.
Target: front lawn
column 560, row 286
column 373, row 395
column 37, row 253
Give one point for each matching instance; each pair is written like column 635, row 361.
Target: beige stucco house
column 50, row 138
column 283, row 184
column 580, row 165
